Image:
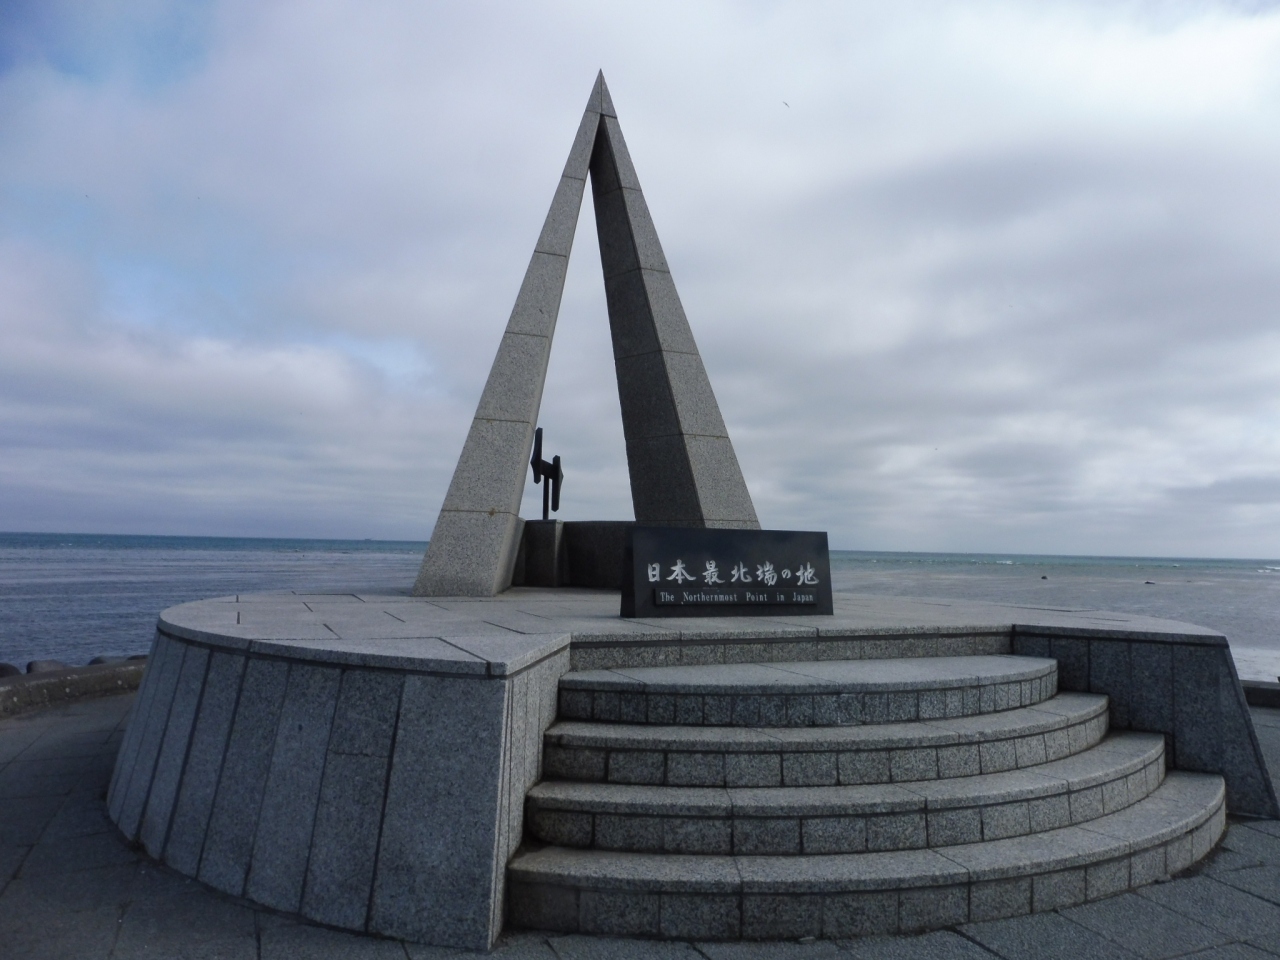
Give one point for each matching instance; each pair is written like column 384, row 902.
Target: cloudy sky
column 990, row 276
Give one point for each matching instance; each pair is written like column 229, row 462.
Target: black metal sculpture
column 551, row 472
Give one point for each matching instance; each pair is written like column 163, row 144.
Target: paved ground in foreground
column 72, row 889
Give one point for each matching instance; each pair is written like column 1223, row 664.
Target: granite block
column 998, row 899
column 606, row 707
column 1109, row 673
column 753, row 770
column 799, row 711
column 638, row 834
column 689, row 709
column 1197, row 729
column 204, row 761
column 1030, row 751
column 959, row 761
column 538, row 301
column 1005, row 820
column 167, row 668
column 701, row 916
column 234, row 818
column 448, row 759
column 695, row 769
column 1147, row 866
column 697, row 835
column 126, row 758
column 619, row 913
column 472, row 553
column 864, row 766
column 584, row 141
column 567, row 828
column 1107, row 879
column 541, row 906
column 775, row 835
column 282, row 841
column 365, row 717
column 662, row 709
column 998, row 755
column 859, row 914
column 773, row 711
column 781, row 916
column 484, row 480
column 809, row 769
column 173, row 750
column 1177, row 854
column 904, row 831
column 834, row 835
column 1151, row 692
column 574, row 763
column 928, row 908
column 1072, row 654
column 1062, row 888
column 1086, row 804
column 913, row 764
column 1049, row 813
column 558, row 229
column 1250, row 787
column 950, row 827
column 633, row 708
column 344, row 843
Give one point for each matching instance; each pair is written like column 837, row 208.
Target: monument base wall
column 363, row 760
column 384, row 797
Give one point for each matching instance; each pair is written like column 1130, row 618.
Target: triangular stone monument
column 682, row 465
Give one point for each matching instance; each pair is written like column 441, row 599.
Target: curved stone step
column 824, row 756
column 820, row 693
column 846, row 895
column 1119, row 772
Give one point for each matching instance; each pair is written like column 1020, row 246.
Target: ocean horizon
column 70, row 596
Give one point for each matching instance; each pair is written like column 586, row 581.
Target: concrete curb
column 1261, row 693
column 31, row 691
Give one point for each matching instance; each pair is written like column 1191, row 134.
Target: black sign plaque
column 696, row 572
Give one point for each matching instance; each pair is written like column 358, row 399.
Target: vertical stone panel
column 128, row 751
column 173, row 750
column 204, row 762
column 1151, row 693
column 234, row 820
column 153, row 727
column 1109, row 674
column 1197, row 718
column 1250, row 790
column 437, row 857
column 344, row 842
column 1072, row 654
column 283, row 838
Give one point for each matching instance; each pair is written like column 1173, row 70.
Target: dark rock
column 97, row 660
column 45, row 666
column 9, row 670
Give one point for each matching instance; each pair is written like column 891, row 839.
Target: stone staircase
column 842, row 798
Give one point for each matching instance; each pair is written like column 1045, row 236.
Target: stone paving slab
column 71, row 889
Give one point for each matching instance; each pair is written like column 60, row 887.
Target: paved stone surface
column 72, row 889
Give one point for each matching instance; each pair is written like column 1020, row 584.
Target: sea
column 71, row 597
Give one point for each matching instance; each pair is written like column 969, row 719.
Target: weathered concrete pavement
column 71, row 888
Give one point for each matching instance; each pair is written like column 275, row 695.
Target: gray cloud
column 999, row 277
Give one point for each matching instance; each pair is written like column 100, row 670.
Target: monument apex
column 681, row 462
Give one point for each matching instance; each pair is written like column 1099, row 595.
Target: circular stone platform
column 363, row 759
